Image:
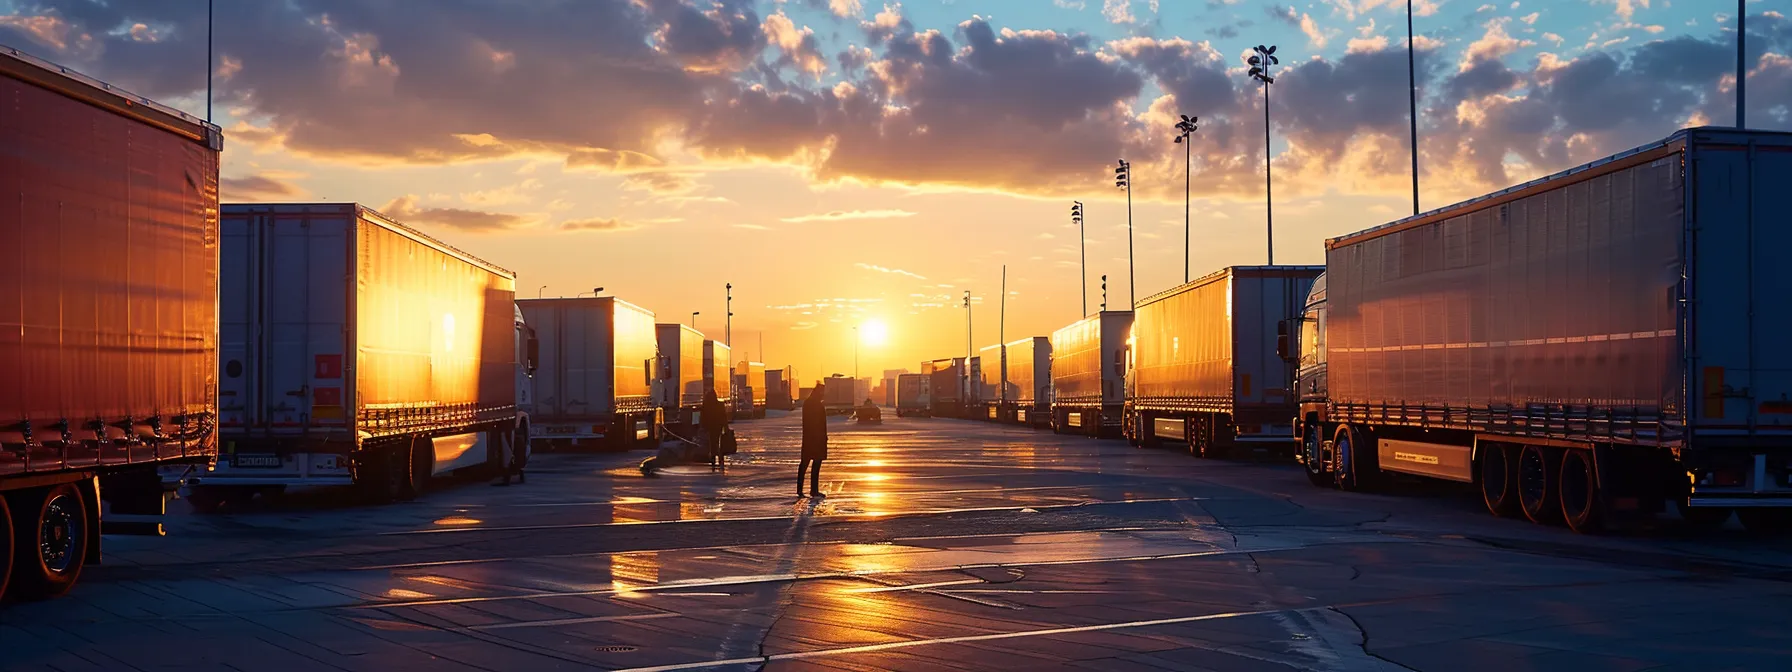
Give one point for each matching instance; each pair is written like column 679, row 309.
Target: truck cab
column 528, row 359
column 1307, row 348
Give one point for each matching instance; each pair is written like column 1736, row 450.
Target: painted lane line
column 917, row 586
column 889, row 646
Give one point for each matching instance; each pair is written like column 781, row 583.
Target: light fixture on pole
column 1104, row 293
column 1123, row 179
column 1187, row 128
column 964, row 387
column 1412, row 102
column 539, row 291
column 855, row 358
column 694, row 315
column 1260, row 64
column 1076, row 215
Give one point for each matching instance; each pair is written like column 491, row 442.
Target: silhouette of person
column 715, row 422
column 815, row 442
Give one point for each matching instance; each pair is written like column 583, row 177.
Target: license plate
column 563, row 429
column 256, row 461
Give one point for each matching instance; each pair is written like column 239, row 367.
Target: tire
column 1539, row 474
column 6, row 544
column 1313, row 457
column 49, row 550
column 1352, row 469
column 420, row 466
column 1703, row 519
column 1771, row 522
column 1583, row 506
column 1497, row 471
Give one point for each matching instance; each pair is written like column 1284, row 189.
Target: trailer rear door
column 285, row 293
column 1741, row 375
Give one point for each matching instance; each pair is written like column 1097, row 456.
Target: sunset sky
column 845, row 160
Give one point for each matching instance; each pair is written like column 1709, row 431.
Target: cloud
column 799, row 46
column 405, row 209
column 612, row 224
column 892, row 271
column 256, row 188
column 1118, row 11
column 845, row 215
column 521, row 192
column 753, row 227
column 660, row 183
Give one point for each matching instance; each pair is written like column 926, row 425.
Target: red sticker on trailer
column 329, row 367
column 326, row 396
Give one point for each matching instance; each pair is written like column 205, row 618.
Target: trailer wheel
column 6, row 545
column 1582, row 506
column 1313, row 457
column 1498, row 473
column 1539, row 472
column 422, row 465
column 1766, row 521
column 50, row 546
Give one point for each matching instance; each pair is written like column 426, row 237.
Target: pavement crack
column 1365, row 644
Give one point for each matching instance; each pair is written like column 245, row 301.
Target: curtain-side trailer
column 1089, row 374
column 358, row 351
column 1029, row 386
column 595, row 381
column 108, row 314
column 1205, row 368
column 680, row 372
column 1603, row 340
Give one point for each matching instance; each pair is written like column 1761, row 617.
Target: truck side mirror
column 532, row 353
column 1282, row 349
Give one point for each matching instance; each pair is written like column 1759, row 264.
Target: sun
column 874, row 332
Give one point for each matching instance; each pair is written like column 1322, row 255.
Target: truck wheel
column 1352, row 465
column 1498, row 474
column 1539, row 472
column 1313, row 458
column 1773, row 522
column 50, row 545
column 6, row 545
column 1702, row 519
column 1582, row 506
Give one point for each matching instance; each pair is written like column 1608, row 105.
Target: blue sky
column 839, row 161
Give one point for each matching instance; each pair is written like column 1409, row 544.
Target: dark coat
column 815, row 429
column 714, row 416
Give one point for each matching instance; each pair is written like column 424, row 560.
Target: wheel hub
column 57, row 538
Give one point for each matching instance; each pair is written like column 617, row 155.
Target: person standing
column 715, row 422
column 815, row 442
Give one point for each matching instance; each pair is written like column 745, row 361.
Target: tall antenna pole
column 1412, row 89
column 964, row 387
column 1002, row 341
column 1741, row 64
column 208, row 61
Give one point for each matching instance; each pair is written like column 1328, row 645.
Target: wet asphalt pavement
column 941, row 545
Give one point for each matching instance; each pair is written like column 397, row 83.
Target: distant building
column 886, row 388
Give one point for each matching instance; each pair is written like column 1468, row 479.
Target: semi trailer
column 108, row 335
column 358, row 351
column 1597, row 342
column 778, row 394
column 680, row 371
column 992, row 379
column 594, row 384
column 749, row 380
column 1089, row 374
column 1205, row 371
column 837, row 394
column 1029, row 386
column 945, row 387
column 911, row 395
column 718, row 374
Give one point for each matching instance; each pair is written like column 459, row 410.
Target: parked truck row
column 1593, row 344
